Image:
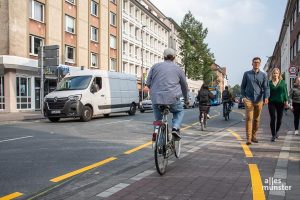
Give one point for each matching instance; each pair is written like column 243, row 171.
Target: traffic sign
column 293, row 70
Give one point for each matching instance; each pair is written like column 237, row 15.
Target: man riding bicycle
column 204, row 97
column 227, row 99
column 167, row 83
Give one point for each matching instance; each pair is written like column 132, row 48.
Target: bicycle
column 226, row 110
column 165, row 145
column 203, row 116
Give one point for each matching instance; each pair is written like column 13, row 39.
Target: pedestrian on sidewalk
column 255, row 92
column 277, row 102
column 295, row 97
column 167, row 83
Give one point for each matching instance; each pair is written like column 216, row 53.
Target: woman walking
column 295, row 96
column 277, row 102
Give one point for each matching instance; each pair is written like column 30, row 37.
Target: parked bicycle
column 164, row 144
column 203, row 116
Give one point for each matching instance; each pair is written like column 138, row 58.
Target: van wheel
column 87, row 114
column 132, row 109
column 54, row 119
column 106, row 115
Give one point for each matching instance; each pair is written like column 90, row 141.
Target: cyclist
column 167, row 83
column 227, row 98
column 204, row 97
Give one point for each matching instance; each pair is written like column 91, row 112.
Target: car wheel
column 106, row 115
column 54, row 119
column 132, row 109
column 87, row 114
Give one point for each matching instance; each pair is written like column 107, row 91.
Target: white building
column 142, row 25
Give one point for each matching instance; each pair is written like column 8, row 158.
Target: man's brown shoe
column 248, row 143
column 255, row 140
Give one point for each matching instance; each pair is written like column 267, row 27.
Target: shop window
column 23, row 89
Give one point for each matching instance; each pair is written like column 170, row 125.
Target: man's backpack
column 225, row 95
column 203, row 96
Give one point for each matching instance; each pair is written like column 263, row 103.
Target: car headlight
column 76, row 97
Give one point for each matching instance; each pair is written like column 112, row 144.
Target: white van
column 88, row 93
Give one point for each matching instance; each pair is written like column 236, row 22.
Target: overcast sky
column 238, row 30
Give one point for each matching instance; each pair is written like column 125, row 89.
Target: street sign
column 293, row 70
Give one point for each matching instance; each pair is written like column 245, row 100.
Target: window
column 94, row 34
column 113, row 64
column 71, row 1
column 113, row 19
column 70, row 24
column 34, row 44
column 36, row 10
column 113, row 1
column 94, row 60
column 70, row 54
column 23, row 89
column 94, row 8
column 113, row 42
column 98, row 82
column 2, row 100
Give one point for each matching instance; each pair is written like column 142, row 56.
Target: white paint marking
column 15, row 139
column 113, row 190
column 142, row 175
column 117, row 122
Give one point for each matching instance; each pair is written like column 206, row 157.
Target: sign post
column 48, row 56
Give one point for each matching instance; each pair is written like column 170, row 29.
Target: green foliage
column 197, row 58
column 236, row 90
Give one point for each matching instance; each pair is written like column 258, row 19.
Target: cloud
column 219, row 15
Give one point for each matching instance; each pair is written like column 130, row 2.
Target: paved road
column 34, row 153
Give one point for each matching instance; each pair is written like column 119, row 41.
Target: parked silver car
column 146, row 104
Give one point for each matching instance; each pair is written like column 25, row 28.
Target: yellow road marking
column 257, row 187
column 186, row 127
column 73, row 173
column 238, row 137
column 138, row 148
column 247, row 151
column 11, row 196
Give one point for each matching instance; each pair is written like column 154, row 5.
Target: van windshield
column 74, row 83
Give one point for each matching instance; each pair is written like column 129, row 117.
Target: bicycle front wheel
column 160, row 152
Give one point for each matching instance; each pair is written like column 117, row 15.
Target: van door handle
column 102, row 95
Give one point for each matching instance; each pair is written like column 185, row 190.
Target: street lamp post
column 142, row 69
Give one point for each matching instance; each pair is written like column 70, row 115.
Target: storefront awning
column 16, row 62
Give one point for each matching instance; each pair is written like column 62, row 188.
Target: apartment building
column 145, row 37
column 221, row 80
column 77, row 26
column 286, row 52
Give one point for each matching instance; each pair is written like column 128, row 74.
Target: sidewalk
column 211, row 167
column 20, row 116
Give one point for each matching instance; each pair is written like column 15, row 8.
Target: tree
column 236, row 90
column 197, row 58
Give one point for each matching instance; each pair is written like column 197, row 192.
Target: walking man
column 255, row 92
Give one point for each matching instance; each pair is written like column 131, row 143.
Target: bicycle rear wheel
column 177, row 148
column 160, row 152
column 202, row 121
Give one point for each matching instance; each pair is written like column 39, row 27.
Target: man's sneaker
column 254, row 140
column 296, row 132
column 207, row 116
column 176, row 134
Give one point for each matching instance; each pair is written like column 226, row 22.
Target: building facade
column 145, row 37
column 221, row 77
column 286, row 52
column 76, row 26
